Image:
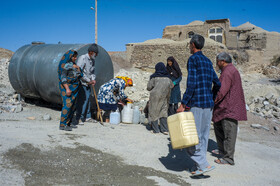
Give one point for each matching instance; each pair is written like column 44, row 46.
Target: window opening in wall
column 190, row 34
column 180, row 34
column 219, row 38
column 216, row 34
column 212, row 30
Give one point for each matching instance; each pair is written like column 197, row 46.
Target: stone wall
column 181, row 32
column 231, row 40
column 246, row 36
column 248, row 40
column 249, row 45
column 272, row 46
column 147, row 54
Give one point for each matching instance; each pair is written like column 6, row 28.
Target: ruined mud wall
column 272, row 46
column 231, row 40
column 147, row 54
column 179, row 33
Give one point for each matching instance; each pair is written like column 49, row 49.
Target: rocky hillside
column 4, row 53
column 5, row 56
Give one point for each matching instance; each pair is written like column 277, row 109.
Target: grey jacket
column 160, row 88
column 88, row 66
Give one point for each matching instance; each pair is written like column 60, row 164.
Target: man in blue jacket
column 199, row 96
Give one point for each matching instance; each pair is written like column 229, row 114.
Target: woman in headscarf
column 111, row 93
column 160, row 86
column 69, row 74
column 176, row 76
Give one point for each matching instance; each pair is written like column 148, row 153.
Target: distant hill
column 4, row 53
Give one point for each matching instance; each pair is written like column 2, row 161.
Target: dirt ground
column 35, row 152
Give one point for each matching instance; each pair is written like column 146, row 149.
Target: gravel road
column 35, row 152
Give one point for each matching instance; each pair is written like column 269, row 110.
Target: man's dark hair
column 93, row 48
column 198, row 41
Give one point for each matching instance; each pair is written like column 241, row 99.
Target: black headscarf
column 160, row 71
column 174, row 70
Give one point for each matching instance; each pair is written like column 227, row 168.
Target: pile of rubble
column 8, row 98
column 267, row 106
column 138, row 93
column 9, row 102
column 4, row 78
column 272, row 71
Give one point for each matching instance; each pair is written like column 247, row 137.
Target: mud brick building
column 256, row 44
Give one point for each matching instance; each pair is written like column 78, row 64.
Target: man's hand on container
column 92, row 82
column 181, row 108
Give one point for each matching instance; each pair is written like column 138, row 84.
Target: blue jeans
column 202, row 117
column 83, row 104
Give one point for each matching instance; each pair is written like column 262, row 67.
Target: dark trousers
column 226, row 133
column 162, row 127
column 83, row 104
column 106, row 115
column 172, row 109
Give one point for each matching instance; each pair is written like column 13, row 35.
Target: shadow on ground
column 82, row 165
column 178, row 160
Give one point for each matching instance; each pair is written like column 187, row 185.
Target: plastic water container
column 143, row 119
column 127, row 114
column 182, row 130
column 136, row 115
column 115, row 117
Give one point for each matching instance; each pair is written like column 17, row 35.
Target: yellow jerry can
column 182, row 130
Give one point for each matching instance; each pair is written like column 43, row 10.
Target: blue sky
column 120, row 21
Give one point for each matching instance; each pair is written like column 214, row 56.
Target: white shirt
column 87, row 66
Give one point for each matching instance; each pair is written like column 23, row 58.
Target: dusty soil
column 35, row 152
column 81, row 165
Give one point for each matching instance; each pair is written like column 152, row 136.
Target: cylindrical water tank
column 33, row 69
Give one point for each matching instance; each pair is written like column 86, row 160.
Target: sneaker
column 81, row 122
column 88, row 119
column 153, row 132
column 68, row 128
column 91, row 120
column 73, row 126
column 61, row 127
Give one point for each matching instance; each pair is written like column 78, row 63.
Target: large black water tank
column 33, row 69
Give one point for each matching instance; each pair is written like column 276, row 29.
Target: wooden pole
column 96, row 21
column 98, row 109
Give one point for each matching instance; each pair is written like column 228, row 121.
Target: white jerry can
column 182, row 130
